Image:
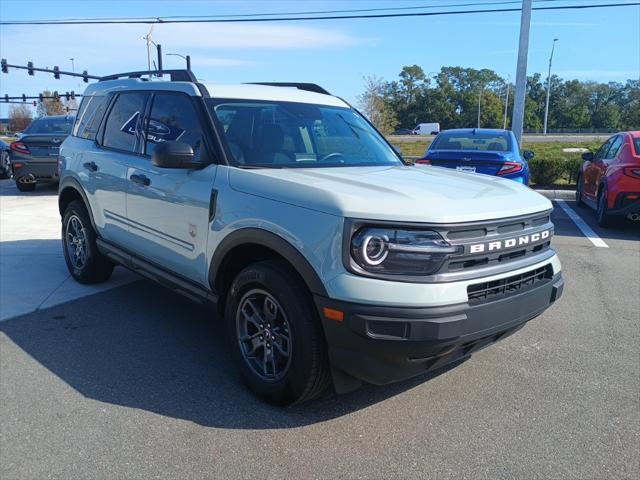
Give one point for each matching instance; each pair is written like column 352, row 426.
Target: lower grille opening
column 494, row 290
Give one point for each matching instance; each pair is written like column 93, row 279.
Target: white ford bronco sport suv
column 328, row 257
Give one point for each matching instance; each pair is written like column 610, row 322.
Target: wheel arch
column 70, row 190
column 248, row 245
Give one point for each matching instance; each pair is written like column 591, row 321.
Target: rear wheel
column 85, row 263
column 276, row 337
column 602, row 215
column 24, row 185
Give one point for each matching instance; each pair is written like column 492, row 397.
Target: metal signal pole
column 546, row 108
column 517, row 122
column 506, row 105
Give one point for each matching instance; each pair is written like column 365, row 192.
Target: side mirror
column 174, row 155
column 528, row 154
column 587, row 156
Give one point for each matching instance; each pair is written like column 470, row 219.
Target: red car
column 609, row 180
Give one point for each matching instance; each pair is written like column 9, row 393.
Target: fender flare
column 73, row 184
column 258, row 236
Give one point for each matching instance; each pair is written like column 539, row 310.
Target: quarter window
column 89, row 117
column 173, row 118
column 122, row 126
column 615, row 148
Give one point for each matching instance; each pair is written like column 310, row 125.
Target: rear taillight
column 510, row 167
column 17, row 165
column 19, row 147
column 632, row 171
column 423, row 161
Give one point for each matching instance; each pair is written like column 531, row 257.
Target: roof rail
column 309, row 87
column 175, row 75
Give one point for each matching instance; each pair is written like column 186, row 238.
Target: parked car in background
column 403, row 131
column 479, row 150
column 34, row 157
column 427, row 129
column 5, row 170
column 609, row 180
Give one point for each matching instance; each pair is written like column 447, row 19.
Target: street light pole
column 517, row 123
column 546, row 108
column 187, row 58
column 73, row 67
column 479, row 102
column 506, row 105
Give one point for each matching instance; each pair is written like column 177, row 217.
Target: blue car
column 479, row 150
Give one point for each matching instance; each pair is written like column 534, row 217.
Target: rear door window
column 122, row 127
column 173, row 118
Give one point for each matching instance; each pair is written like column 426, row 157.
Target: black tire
column 579, row 188
column 94, row 267
column 306, row 373
column 604, row 219
column 25, row 187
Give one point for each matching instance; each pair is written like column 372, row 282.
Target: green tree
column 376, row 107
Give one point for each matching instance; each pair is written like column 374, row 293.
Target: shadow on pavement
column 144, row 347
column 8, row 188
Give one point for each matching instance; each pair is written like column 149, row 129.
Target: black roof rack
column 309, row 87
column 175, row 75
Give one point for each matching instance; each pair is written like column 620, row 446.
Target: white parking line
column 581, row 224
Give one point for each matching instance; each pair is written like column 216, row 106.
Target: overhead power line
column 168, row 20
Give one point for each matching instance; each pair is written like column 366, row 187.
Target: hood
column 404, row 193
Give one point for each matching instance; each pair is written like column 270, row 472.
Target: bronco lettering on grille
column 510, row 242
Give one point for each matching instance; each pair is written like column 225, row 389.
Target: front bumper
column 380, row 344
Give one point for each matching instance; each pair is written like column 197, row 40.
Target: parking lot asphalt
column 136, row 382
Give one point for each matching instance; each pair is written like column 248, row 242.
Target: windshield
column 51, row 125
column 496, row 142
column 289, row 135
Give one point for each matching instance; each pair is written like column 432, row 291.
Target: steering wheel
column 332, row 156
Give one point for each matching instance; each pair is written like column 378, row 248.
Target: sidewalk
column 33, row 274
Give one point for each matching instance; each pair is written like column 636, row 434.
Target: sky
column 597, row 44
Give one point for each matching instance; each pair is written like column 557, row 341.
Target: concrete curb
column 563, row 194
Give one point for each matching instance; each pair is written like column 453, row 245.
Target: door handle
column 91, row 166
column 140, row 180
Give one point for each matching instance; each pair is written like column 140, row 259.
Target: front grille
column 498, row 231
column 496, row 289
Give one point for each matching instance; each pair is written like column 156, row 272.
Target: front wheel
column 277, row 340
column 85, row 263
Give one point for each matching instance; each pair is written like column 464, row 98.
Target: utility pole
column 479, row 102
column 521, row 72
column 506, row 105
column 546, row 108
column 147, row 37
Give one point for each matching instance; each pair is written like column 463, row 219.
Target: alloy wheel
column 76, row 242
column 264, row 335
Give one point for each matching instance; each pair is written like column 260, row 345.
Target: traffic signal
column 24, row 97
column 56, row 73
column 30, row 68
column 67, row 96
column 5, row 69
column 35, row 104
column 56, row 96
column 85, row 76
column 41, row 97
column 6, row 98
column 73, row 95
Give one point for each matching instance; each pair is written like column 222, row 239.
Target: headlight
column 399, row 252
